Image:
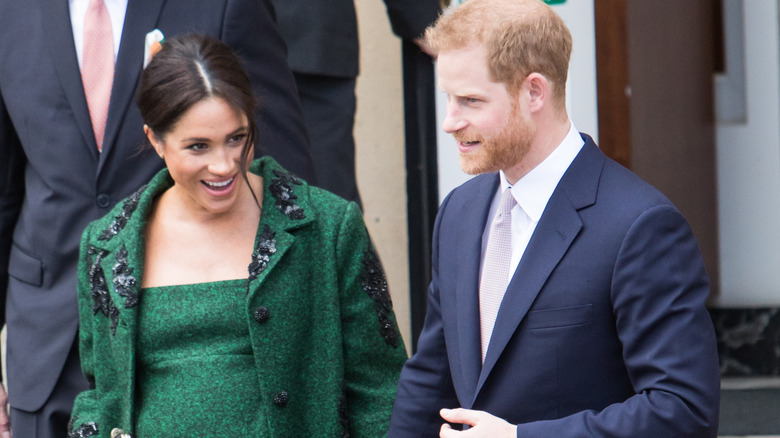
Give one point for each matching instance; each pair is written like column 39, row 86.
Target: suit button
column 262, row 314
column 281, row 399
column 103, row 200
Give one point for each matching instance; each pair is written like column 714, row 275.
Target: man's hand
column 5, row 421
column 482, row 425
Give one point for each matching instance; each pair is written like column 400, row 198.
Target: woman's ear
column 156, row 143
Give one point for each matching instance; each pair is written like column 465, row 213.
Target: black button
column 103, row 200
column 262, row 314
column 281, row 399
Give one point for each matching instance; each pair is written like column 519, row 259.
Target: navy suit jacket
column 53, row 181
column 603, row 330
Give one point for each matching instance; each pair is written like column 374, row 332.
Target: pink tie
column 97, row 70
column 495, row 268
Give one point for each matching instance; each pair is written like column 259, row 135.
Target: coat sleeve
column 658, row 293
column 373, row 349
column 409, row 18
column 12, row 163
column 87, row 415
column 250, row 30
column 426, row 385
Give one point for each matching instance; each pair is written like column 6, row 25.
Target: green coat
column 326, row 346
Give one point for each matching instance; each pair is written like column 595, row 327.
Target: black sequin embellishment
column 375, row 285
column 124, row 282
column 266, row 247
column 282, row 189
column 343, row 419
column 99, row 288
column 128, row 207
column 84, row 430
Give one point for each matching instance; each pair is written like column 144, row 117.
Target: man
column 322, row 38
column 586, row 315
column 57, row 173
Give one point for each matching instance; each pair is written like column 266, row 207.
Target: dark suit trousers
column 328, row 105
column 51, row 421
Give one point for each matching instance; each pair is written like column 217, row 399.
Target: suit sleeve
column 250, row 29
column 409, row 18
column 12, row 163
column 658, row 293
column 426, row 385
column 372, row 346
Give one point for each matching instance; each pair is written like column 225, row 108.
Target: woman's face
column 203, row 155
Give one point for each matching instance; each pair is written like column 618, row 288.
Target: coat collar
column 286, row 206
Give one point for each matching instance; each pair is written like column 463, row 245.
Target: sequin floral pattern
column 265, row 248
column 375, row 285
column 84, row 430
column 282, row 190
column 124, row 281
column 99, row 288
column 128, row 207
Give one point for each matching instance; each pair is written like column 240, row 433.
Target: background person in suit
column 54, row 180
column 591, row 322
column 323, row 53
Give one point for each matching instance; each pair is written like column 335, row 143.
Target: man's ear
column 156, row 143
column 538, row 88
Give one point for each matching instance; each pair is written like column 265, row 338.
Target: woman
column 229, row 299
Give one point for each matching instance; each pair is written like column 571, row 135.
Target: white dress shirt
column 532, row 192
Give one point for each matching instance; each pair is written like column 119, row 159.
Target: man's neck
column 549, row 134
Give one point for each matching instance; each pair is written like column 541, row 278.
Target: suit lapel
column 470, row 228
column 141, row 17
column 55, row 15
column 558, row 227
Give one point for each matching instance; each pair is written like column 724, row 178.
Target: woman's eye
column 237, row 138
column 197, row 146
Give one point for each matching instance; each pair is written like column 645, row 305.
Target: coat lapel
column 141, row 17
column 286, row 207
column 558, row 227
column 55, row 15
column 470, row 226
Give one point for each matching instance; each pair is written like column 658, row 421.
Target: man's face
column 489, row 123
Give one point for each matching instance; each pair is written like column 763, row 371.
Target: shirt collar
column 534, row 189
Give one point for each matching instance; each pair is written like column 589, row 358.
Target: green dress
column 188, row 336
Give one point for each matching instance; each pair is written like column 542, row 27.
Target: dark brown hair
column 189, row 69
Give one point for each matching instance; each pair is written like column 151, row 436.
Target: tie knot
column 507, row 202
